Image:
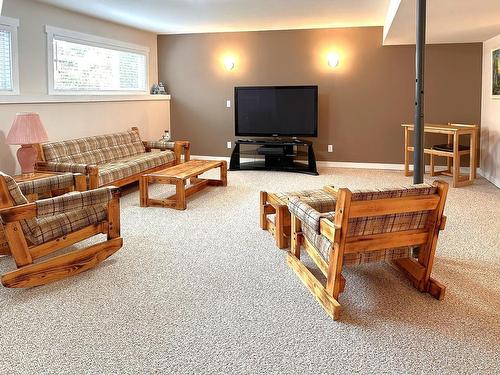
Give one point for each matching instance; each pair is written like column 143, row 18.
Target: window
column 83, row 64
column 9, row 78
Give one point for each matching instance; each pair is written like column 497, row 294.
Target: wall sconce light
column 333, row 59
column 229, row 63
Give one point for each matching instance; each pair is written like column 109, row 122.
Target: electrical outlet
column 228, row 103
column 229, row 144
column 330, row 148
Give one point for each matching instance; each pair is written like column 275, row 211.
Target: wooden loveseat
column 112, row 159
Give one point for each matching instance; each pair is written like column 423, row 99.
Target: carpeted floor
column 205, row 291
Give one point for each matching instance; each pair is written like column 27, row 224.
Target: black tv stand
column 289, row 155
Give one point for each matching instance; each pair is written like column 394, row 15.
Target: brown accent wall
column 361, row 103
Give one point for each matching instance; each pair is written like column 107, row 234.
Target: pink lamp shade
column 27, row 129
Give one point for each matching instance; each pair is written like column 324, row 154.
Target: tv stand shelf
column 289, row 155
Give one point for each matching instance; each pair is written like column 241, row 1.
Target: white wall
column 33, row 16
column 64, row 119
column 490, row 119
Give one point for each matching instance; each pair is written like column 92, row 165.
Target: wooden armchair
column 399, row 225
column 29, row 231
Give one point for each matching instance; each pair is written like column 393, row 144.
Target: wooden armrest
column 328, row 229
column 16, row 213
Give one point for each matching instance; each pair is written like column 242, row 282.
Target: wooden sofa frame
column 92, row 171
column 29, row 274
column 418, row 272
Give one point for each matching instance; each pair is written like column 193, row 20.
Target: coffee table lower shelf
column 178, row 176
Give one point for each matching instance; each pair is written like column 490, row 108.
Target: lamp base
column 26, row 156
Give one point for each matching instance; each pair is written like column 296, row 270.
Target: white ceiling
column 195, row 16
column 448, row 21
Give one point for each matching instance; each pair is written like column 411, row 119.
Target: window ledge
column 15, row 99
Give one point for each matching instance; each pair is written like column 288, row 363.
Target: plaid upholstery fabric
column 159, row 145
column 83, row 209
column 15, row 192
column 323, row 245
column 318, row 199
column 65, row 167
column 94, row 150
column 307, row 214
column 368, row 225
column 390, row 223
column 123, row 168
column 19, row 199
column 392, row 192
column 48, row 184
column 72, row 201
column 51, row 227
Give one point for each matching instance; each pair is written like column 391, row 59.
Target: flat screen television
column 289, row 111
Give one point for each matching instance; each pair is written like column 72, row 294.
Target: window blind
column 81, row 67
column 6, row 82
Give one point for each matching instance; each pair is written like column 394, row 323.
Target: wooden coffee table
column 178, row 176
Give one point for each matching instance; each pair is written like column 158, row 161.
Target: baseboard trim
column 494, row 180
column 354, row 165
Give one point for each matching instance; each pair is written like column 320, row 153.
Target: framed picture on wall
column 495, row 73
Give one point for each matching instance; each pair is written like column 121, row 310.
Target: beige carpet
column 205, row 291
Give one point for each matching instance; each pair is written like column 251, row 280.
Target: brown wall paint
column 361, row 103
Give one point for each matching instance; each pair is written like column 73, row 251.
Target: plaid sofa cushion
column 116, row 170
column 54, row 226
column 94, row 150
column 48, row 184
column 308, row 215
column 323, row 245
column 159, row 145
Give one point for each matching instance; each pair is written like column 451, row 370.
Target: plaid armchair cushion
column 307, row 214
column 18, row 198
column 369, row 225
column 94, row 150
column 67, row 213
column 317, row 199
column 123, row 168
column 392, row 192
column 51, row 227
column 73, row 201
column 159, row 145
column 323, row 245
column 390, row 223
column 48, row 184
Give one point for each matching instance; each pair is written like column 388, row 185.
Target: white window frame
column 11, row 25
column 96, row 41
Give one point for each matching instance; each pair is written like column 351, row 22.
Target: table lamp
column 27, row 130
